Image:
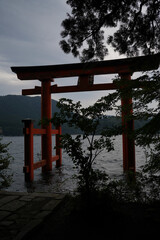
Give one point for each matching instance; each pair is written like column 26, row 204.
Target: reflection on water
column 61, row 179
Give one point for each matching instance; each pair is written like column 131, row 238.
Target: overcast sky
column 30, row 35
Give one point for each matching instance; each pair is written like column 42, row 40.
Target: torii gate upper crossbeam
column 136, row 64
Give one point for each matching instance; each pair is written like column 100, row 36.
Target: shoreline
column 58, row 216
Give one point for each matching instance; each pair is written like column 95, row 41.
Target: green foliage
column 148, row 136
column 5, row 158
column 139, row 188
column 146, row 107
column 89, row 179
column 84, row 148
column 153, row 164
column 136, row 25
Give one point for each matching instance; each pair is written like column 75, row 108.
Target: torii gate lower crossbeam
column 86, row 72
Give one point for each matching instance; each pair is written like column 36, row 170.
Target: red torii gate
column 85, row 72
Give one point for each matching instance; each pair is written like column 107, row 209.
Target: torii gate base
column 85, row 72
column 47, row 158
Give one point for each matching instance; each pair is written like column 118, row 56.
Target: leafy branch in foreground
column 5, row 159
column 84, row 148
column 146, row 106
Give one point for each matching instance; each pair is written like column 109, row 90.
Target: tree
column 135, row 26
column 87, row 33
column 146, row 107
column 84, row 148
column 5, row 158
column 149, row 135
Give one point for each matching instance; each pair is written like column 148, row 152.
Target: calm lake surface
column 61, row 180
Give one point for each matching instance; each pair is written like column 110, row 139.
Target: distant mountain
column 15, row 108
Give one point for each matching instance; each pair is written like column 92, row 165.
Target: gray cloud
column 30, row 30
column 30, row 35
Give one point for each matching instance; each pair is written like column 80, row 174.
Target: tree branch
column 137, row 14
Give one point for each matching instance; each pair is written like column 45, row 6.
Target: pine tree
column 131, row 27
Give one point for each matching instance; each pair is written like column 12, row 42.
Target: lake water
column 61, row 180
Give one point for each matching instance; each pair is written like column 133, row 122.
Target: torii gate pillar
column 128, row 127
column 45, row 116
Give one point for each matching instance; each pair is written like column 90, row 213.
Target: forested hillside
column 15, row 108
